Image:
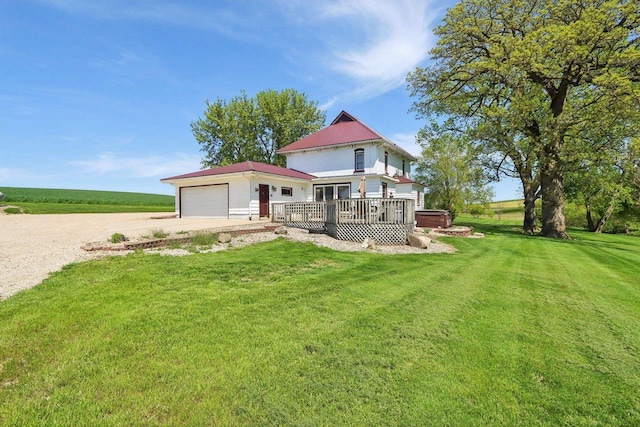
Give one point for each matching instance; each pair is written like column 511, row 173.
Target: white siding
column 300, row 191
column 395, row 163
column 239, row 198
column 340, row 161
column 414, row 192
column 332, row 161
column 243, row 199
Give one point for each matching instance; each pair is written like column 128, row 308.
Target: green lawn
column 62, row 201
column 510, row 330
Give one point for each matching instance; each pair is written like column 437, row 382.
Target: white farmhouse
column 333, row 163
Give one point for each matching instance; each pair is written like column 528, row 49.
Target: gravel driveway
column 33, row 246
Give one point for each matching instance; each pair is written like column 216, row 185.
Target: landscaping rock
column 418, row 241
column 224, row 238
column 369, row 243
column 281, row 230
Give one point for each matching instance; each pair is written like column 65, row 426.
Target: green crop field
column 507, row 204
column 46, row 200
column 88, row 197
column 510, row 330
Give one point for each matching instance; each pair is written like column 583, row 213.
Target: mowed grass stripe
column 509, row 330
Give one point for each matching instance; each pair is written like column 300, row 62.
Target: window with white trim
column 286, row 191
column 386, row 163
column 359, row 160
column 322, row 193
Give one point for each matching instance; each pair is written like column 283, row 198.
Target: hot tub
column 433, row 218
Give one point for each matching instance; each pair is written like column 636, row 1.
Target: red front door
column 264, row 200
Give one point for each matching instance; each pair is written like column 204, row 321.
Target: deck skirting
column 383, row 234
column 387, row 221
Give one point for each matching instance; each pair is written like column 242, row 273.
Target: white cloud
column 381, row 41
column 328, row 104
column 109, row 163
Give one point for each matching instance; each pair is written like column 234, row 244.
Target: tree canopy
column 449, row 168
column 529, row 78
column 254, row 129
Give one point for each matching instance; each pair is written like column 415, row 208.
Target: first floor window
column 322, row 193
column 287, row 191
column 344, row 191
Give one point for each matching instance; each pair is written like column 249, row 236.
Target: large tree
column 542, row 69
column 254, row 129
column 450, row 170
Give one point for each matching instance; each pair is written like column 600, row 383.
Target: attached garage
column 206, row 201
column 238, row 191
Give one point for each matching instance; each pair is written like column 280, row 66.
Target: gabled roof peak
column 344, row 129
column 344, row 117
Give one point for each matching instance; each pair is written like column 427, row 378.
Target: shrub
column 575, row 215
column 159, row 233
column 204, row 239
column 13, row 210
column 118, row 238
column 476, row 210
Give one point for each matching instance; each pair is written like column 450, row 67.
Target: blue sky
column 100, row 94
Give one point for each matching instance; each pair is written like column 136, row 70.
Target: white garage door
column 207, row 201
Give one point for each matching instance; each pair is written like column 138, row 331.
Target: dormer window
column 359, row 160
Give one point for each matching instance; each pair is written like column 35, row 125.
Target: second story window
column 359, row 160
column 403, row 171
column 386, row 163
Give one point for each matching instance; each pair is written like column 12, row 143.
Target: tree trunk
column 590, row 225
column 552, row 187
column 529, row 223
column 603, row 220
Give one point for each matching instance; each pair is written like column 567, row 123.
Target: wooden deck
column 387, row 221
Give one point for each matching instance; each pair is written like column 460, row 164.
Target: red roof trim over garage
column 245, row 167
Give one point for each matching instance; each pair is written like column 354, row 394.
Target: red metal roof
column 345, row 129
column 246, row 167
column 403, row 180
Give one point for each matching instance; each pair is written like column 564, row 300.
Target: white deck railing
column 347, row 211
column 370, row 211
